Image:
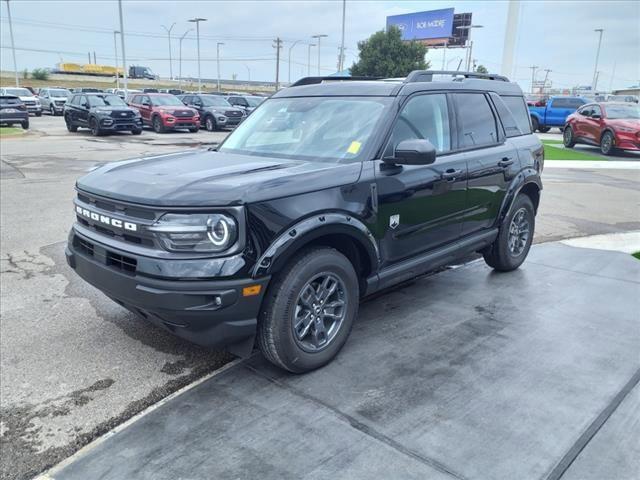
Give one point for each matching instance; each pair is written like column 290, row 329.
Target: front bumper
column 627, row 141
column 184, row 122
column 234, row 121
column 34, row 108
column 212, row 313
column 111, row 124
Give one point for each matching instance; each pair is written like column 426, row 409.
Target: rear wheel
column 607, row 143
column 568, row 139
column 24, row 125
column 535, row 124
column 544, row 129
column 309, row 310
column 39, row 114
column 210, row 124
column 157, row 125
column 512, row 245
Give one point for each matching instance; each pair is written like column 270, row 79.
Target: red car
column 164, row 111
column 611, row 126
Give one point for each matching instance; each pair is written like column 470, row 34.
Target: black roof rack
column 314, row 80
column 427, row 75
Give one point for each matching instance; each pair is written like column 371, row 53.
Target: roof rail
column 427, row 75
column 314, row 80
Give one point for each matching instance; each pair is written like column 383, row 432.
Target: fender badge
column 394, row 221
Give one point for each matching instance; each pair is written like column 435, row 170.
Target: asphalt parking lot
column 74, row 364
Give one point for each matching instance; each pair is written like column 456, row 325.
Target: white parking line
column 594, row 164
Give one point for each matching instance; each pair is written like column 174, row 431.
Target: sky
column 557, row 35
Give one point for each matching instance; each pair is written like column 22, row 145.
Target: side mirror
column 414, row 152
column 85, row 104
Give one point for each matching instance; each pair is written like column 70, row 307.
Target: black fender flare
column 526, row 176
column 309, row 229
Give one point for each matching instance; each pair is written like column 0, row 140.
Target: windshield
column 18, row 92
column 168, row 100
column 215, row 102
column 314, row 128
column 108, row 100
column 623, row 111
column 254, row 101
column 58, row 93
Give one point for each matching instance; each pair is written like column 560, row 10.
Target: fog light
column 251, row 291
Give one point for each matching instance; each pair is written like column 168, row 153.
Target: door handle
column 505, row 162
column 451, row 174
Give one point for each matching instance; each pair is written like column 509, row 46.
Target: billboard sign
column 424, row 25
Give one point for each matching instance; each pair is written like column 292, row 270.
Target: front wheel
column 568, row 138
column 544, row 129
column 39, row 114
column 94, row 127
column 309, row 310
column 136, row 131
column 512, row 245
column 157, row 125
column 209, row 124
column 194, row 129
column 535, row 124
column 52, row 111
column 24, row 125
column 606, row 144
column 70, row 126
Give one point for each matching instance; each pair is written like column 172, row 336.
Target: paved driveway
column 468, row 374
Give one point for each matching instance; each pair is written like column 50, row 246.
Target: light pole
column 168, row 30
column 180, row 61
column 319, row 37
column 546, row 76
column 309, row 59
column 197, row 21
column 13, row 47
column 469, row 27
column 124, row 55
column 594, row 83
column 218, row 61
column 115, row 49
column 341, row 55
column 248, row 71
column 291, row 48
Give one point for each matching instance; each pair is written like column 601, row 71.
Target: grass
column 9, row 131
column 551, row 152
column 637, row 255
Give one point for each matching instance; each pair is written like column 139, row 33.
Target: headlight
column 202, row 232
column 103, row 111
column 625, row 129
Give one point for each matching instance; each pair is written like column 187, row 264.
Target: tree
column 385, row 54
column 481, row 69
column 40, row 74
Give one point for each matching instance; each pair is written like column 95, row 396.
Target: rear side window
column 511, row 128
column 567, row 103
column 477, row 125
column 520, row 112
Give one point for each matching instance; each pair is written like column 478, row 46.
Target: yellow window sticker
column 354, row 147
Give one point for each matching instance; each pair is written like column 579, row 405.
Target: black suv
column 331, row 190
column 215, row 112
column 101, row 113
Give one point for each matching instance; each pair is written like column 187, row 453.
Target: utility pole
column 180, row 61
column 533, row 75
column 115, row 49
column 546, row 76
column 124, row 57
column 613, row 74
column 13, row 47
column 248, row 71
column 218, row 61
column 309, row 59
column 595, row 70
column 168, row 30
column 95, row 62
column 341, row 54
column 291, row 48
column 277, row 45
column 197, row 21
column 319, row 37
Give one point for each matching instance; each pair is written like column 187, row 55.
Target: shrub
column 40, row 74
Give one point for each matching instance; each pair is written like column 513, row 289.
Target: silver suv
column 53, row 100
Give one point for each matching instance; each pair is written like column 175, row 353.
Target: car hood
column 28, row 98
column 624, row 122
column 206, row 178
column 173, row 110
column 113, row 108
column 223, row 109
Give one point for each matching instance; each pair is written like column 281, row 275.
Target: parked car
column 215, row 112
column 164, row 112
column 86, row 90
column 172, row 91
column 245, row 102
column 26, row 96
column 13, row 110
column 53, row 99
column 121, row 92
column 278, row 234
column 622, row 98
column 101, row 113
column 611, row 126
column 554, row 113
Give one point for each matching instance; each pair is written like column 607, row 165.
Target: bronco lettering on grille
column 98, row 217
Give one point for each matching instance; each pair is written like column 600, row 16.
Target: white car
column 29, row 99
column 53, row 99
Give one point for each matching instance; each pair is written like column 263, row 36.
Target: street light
column 180, row 61
column 594, row 83
column 309, row 59
column 197, row 21
column 168, row 30
column 291, row 48
column 115, row 49
column 469, row 27
column 218, row 61
column 319, row 37
column 13, row 47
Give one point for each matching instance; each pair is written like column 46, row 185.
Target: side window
column 575, row 102
column 423, row 117
column 84, row 100
column 596, row 110
column 188, row 100
column 511, row 128
column 560, row 103
column 520, row 112
column 477, row 125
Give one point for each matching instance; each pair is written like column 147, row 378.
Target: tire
column 52, row 111
column 568, row 139
column 136, row 131
column 544, row 129
column 194, row 129
column 607, row 142
column 500, row 255
column 210, row 123
column 157, row 125
column 277, row 337
column 70, row 126
column 95, row 129
column 535, row 125
column 39, row 114
column 24, row 125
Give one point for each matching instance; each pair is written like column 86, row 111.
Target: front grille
column 121, row 262
column 31, row 103
column 110, row 259
column 122, row 114
column 60, row 102
column 83, row 246
column 233, row 113
column 183, row 113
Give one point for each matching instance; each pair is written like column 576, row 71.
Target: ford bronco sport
column 331, row 190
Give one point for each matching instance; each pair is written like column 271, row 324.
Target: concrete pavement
column 468, row 374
